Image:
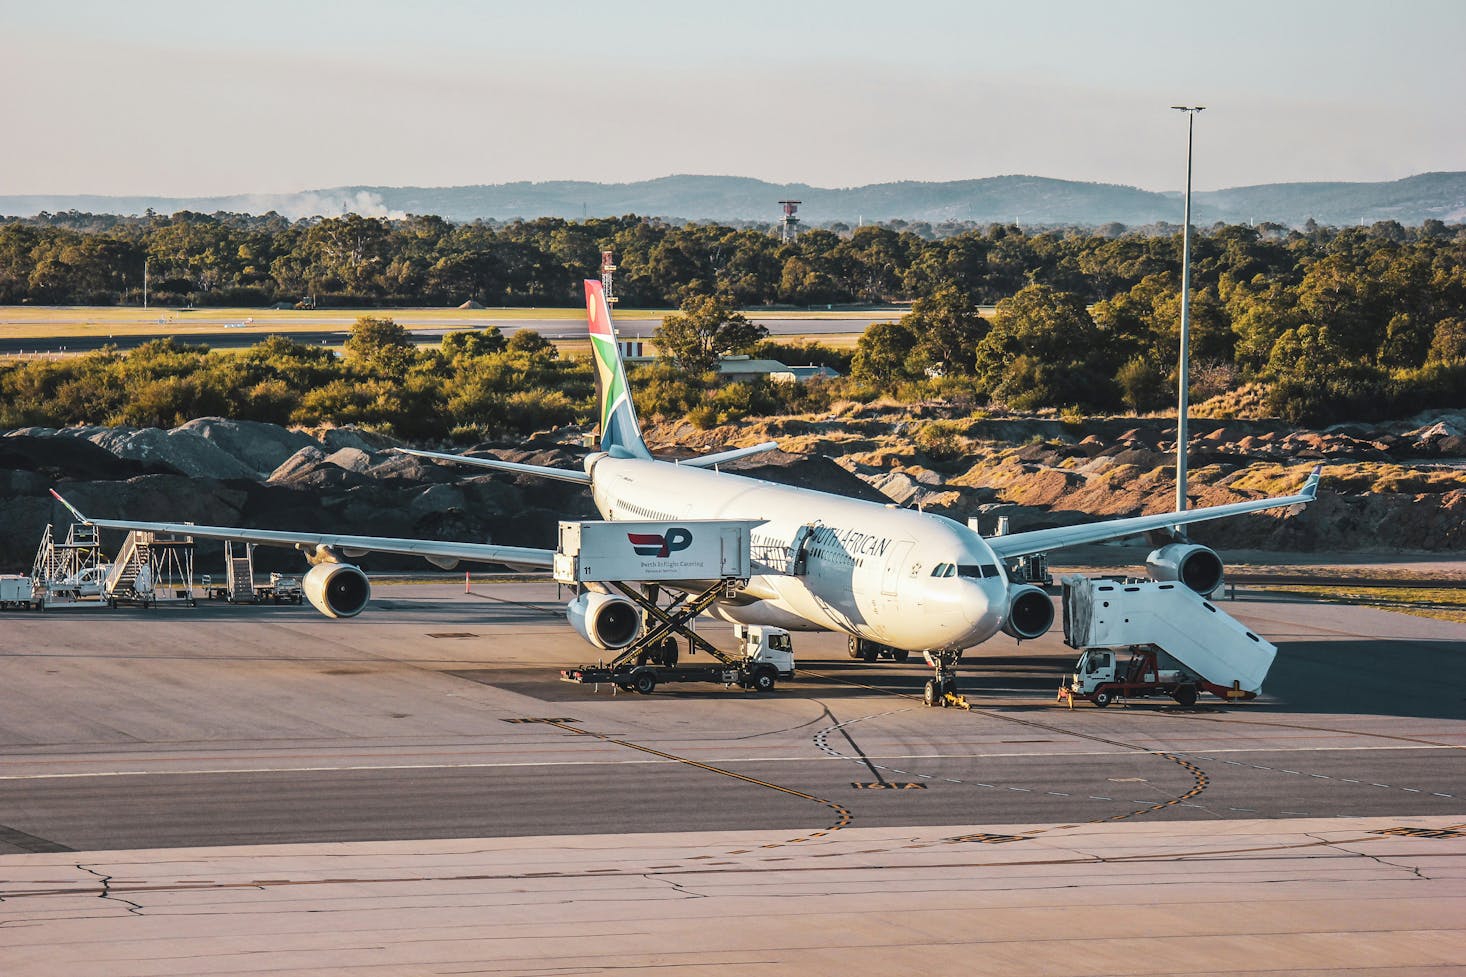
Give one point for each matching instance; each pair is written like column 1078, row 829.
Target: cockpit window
column 977, row 570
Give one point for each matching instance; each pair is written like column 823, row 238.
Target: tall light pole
column 1184, row 374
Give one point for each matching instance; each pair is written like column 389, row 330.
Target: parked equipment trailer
column 19, row 593
column 1179, row 643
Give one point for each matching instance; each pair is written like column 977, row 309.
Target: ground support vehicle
column 1179, row 644
column 941, row 689
column 71, row 571
column 764, row 656
column 19, row 593
column 621, row 569
column 281, row 589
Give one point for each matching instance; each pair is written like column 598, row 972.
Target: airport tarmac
column 567, row 329
column 420, row 773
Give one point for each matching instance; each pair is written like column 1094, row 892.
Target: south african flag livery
column 620, row 433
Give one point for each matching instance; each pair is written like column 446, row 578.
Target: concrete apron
column 1305, row 896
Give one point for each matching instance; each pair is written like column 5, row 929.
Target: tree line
column 1332, row 323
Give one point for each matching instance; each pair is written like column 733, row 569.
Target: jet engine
column 1192, row 564
column 337, row 589
column 1030, row 612
column 608, row 622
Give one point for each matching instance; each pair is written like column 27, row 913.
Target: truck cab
column 1095, row 667
column 763, row 643
column 87, row 583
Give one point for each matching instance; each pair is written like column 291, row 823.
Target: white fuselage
column 868, row 569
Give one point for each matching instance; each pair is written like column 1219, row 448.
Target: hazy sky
column 206, row 97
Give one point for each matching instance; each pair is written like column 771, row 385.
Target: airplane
column 893, row 580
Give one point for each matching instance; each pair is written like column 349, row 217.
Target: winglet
column 1310, row 487
column 70, row 508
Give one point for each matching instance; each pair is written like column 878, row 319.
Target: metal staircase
column 59, row 561
column 131, row 578
column 240, row 572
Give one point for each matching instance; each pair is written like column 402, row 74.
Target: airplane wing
column 723, row 457
column 443, row 554
column 560, row 474
column 1043, row 540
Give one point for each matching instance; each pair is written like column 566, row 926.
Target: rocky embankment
column 1398, row 487
column 240, row 473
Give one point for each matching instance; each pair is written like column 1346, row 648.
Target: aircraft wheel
column 900, row 656
column 644, row 681
column 852, row 646
column 1101, row 699
column 870, row 653
column 930, row 693
column 1185, row 695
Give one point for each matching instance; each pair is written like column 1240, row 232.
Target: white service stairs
column 1204, row 639
column 240, row 572
column 132, row 560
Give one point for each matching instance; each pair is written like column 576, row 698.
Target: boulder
column 899, row 487
column 335, row 438
column 435, row 499
column 260, row 447
column 302, row 461
column 351, row 459
column 58, row 456
column 185, row 453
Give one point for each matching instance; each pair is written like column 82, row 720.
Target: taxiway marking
column 831, row 758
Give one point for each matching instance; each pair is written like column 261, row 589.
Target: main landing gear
column 869, row 651
column 941, row 689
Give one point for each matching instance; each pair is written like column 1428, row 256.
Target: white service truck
column 762, row 643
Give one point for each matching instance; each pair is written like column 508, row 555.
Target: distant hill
column 1028, row 200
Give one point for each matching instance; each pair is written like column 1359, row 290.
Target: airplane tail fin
column 620, row 431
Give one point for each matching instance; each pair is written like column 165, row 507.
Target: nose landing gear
column 941, row 688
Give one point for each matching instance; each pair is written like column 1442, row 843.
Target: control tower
column 608, row 275
column 789, row 224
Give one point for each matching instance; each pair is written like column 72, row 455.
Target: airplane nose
column 981, row 599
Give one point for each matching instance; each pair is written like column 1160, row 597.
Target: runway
column 225, row 337
column 220, row 732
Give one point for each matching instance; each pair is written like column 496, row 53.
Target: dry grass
column 1271, row 478
column 1442, row 604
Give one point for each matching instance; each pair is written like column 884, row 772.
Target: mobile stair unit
column 239, row 585
column 151, row 568
column 699, row 561
column 1180, row 644
column 69, row 571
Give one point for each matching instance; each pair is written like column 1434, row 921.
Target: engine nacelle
column 608, row 622
column 1194, row 565
column 337, row 589
column 1030, row 612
